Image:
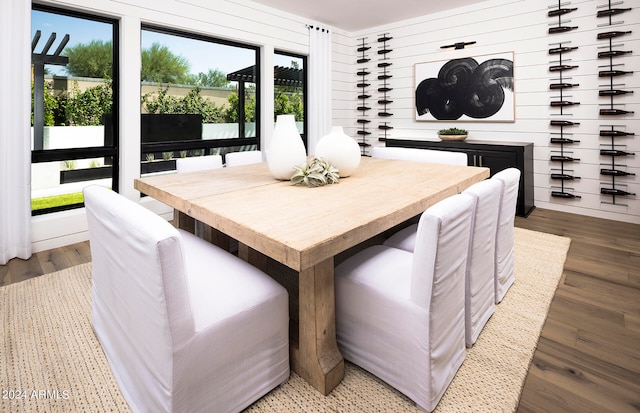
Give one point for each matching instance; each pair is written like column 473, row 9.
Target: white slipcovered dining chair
column 243, row 158
column 184, row 325
column 479, row 274
column 504, row 264
column 419, row 155
column 400, row 315
column 198, row 163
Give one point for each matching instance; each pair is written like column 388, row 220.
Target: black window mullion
column 51, row 155
column 110, row 148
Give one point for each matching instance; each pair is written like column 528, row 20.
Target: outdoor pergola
column 282, row 76
column 39, row 60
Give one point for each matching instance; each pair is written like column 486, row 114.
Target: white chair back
column 438, row 285
column 243, row 158
column 400, row 315
column 420, row 155
column 198, row 163
column 504, row 265
column 479, row 290
column 132, row 247
column 446, row 226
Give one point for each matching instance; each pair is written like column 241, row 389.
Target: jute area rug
column 51, row 361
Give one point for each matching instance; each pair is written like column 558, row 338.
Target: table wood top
column 301, row 226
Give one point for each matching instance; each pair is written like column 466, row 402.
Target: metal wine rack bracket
column 559, row 11
column 614, row 152
column 384, row 88
column 609, row 12
column 363, row 95
column 562, row 139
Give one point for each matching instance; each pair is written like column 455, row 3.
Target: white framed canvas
column 479, row 88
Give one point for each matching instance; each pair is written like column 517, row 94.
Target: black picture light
column 459, row 45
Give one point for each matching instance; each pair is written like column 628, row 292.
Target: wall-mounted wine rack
column 363, row 95
column 561, row 25
column 384, row 88
column 614, row 168
column 562, row 141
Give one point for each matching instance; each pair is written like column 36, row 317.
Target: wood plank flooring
column 588, row 356
column 45, row 262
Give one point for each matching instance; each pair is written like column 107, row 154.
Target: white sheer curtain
column 319, row 86
column 15, row 133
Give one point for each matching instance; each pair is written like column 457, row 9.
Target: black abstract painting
column 470, row 88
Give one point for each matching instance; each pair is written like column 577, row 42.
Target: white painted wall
column 520, row 26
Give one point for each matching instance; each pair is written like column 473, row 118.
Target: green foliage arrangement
column 159, row 64
column 288, row 104
column 51, row 105
column 88, row 107
column 452, row 131
column 69, row 165
column 231, row 112
column 193, row 103
column 80, row 108
column 316, row 172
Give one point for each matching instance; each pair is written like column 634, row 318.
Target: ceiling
column 355, row 15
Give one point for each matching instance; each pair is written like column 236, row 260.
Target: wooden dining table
column 305, row 228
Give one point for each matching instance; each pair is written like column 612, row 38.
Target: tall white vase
column 286, row 149
column 340, row 150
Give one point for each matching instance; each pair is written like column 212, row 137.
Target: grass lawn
column 56, row 200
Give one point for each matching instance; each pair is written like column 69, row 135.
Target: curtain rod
column 310, row 26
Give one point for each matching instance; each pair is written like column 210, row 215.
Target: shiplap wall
column 520, row 26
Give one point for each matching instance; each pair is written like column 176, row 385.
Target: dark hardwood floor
column 45, row 262
column 588, row 356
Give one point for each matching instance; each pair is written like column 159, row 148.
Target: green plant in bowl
column 453, row 134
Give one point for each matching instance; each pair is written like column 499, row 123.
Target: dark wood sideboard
column 491, row 154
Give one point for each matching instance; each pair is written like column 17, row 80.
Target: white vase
column 340, row 150
column 286, row 149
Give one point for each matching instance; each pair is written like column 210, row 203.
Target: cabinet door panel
column 496, row 161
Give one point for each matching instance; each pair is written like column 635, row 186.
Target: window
column 74, row 76
column 199, row 96
column 290, row 88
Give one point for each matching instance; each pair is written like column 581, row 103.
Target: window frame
column 207, row 145
column 109, row 149
column 305, row 90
